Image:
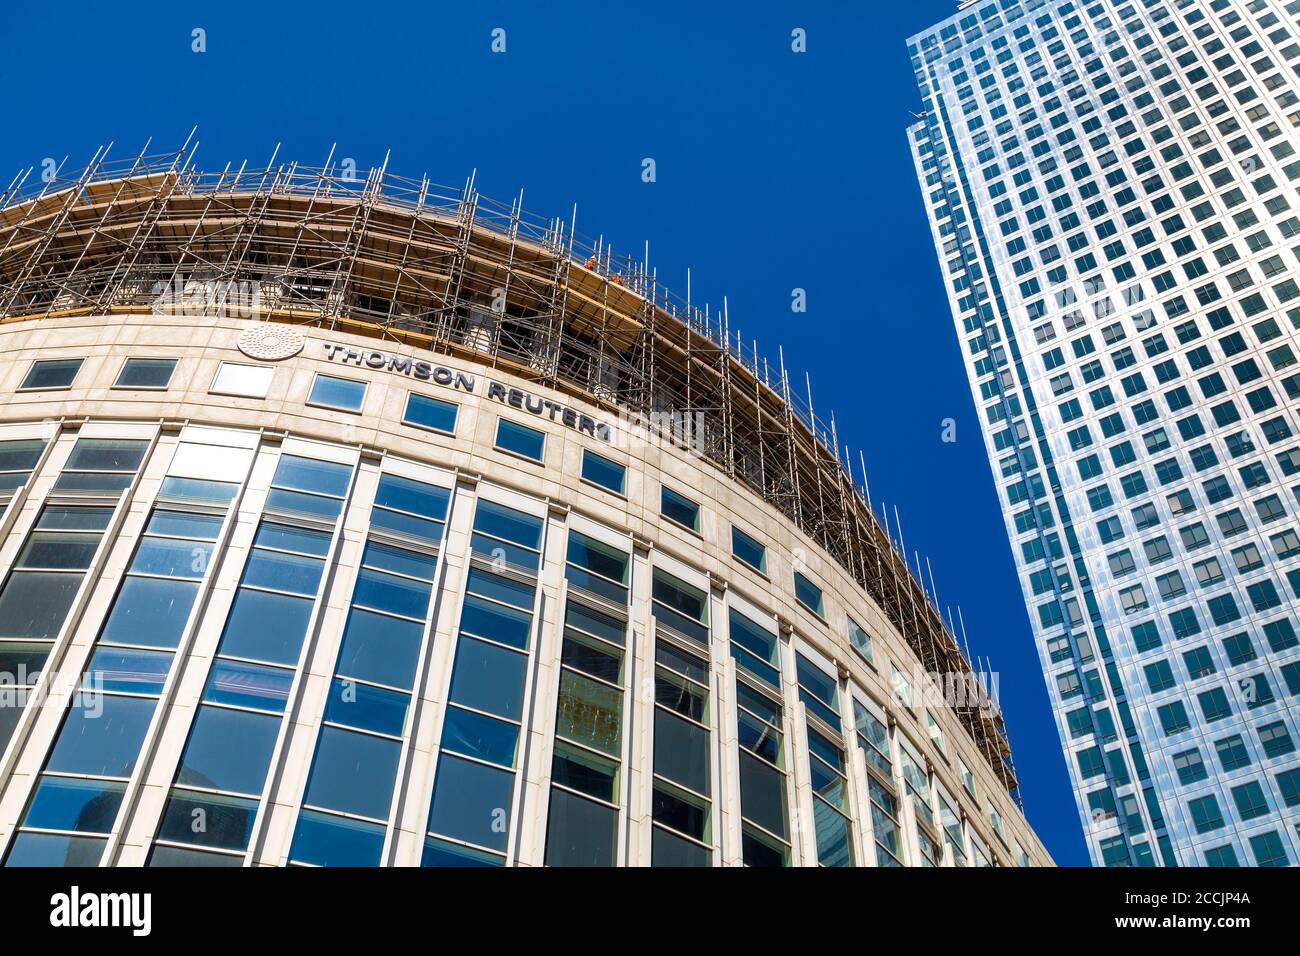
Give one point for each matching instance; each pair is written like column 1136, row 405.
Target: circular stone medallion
column 271, row 343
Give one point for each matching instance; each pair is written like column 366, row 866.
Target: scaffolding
column 449, row 270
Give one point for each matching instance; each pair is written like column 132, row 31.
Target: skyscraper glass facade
column 1112, row 190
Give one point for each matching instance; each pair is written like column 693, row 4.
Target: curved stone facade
column 321, row 621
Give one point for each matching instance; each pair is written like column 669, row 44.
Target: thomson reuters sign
column 425, row 371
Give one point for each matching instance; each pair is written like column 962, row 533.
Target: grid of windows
column 345, row 810
column 221, row 614
column 75, row 804
column 682, row 799
column 586, row 769
column 214, row 802
column 474, row 784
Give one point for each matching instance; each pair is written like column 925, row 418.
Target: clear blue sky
column 775, row 171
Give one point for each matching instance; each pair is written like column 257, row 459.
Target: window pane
column 145, row 373
column 503, row 624
column 679, row 509
column 430, row 413
column 476, row 735
column 150, row 611
column 208, row 820
column 589, row 713
column 282, row 537
column 20, row 454
column 54, row 373
column 182, row 524
column 248, row 685
column 603, row 472
column 66, row 803
column 250, row 381
column 440, row 853
column 380, row 649
column 129, row 671
column 521, row 440
column 406, row 494
column 366, row 707
column 106, row 454
column 353, row 773
column 34, row 604
column 338, row 393
column 471, row 802
column 172, row 558
column 668, row 849
column 325, row 840
column 490, row 678
column 283, row 572
column 762, row 794
column 681, row 751
column 385, row 592
column 229, row 750
column 833, row 847
column 44, row 849
column 175, row 856
column 61, row 550
column 311, row 474
column 103, row 742
column 502, row 522
column 580, row 832
column 748, row 550
column 266, row 627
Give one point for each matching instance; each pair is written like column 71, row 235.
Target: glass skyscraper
column 1112, row 190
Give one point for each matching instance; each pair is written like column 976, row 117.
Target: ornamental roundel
column 270, row 343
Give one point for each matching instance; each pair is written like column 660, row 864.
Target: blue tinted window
column 461, row 793
column 227, row 821
column 128, row 670
column 102, row 736
column 380, row 649
column 440, row 853
column 601, row 471
column 46, row 849
column 488, row 677
column 748, row 550
column 430, row 413
column 519, row 439
column 248, row 685
column 173, row 558
column 500, row 588
column 353, row 773
column 286, row 538
column 67, row 803
column 502, row 624
column 184, row 524
column 342, row 393
column 323, row 839
column 309, row 474
column 475, row 735
column 213, row 759
column 384, row 592
column 502, row 522
column 419, row 498
column 808, row 594
column 366, row 707
column 150, row 611
column 398, row 560
column 266, row 627
column 679, row 509
column 283, row 572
